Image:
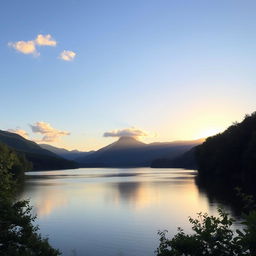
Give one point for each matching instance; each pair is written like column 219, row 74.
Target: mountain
column 129, row 152
column 231, row 154
column 67, row 154
column 41, row 159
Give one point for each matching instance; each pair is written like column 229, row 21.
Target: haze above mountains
column 125, row 152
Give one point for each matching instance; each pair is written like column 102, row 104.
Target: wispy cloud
column 21, row 132
column 67, row 55
column 29, row 47
column 129, row 132
column 49, row 133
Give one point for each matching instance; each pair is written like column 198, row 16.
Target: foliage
column 212, row 236
column 231, row 154
column 13, row 162
column 18, row 236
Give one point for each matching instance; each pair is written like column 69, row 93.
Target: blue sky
column 175, row 69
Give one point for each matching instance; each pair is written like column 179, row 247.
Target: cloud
column 25, row 47
column 29, row 47
column 21, row 132
column 49, row 133
column 45, row 40
column 67, row 55
column 129, row 132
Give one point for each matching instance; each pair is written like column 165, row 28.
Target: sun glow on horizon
column 209, row 132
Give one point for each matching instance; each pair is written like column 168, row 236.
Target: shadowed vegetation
column 214, row 235
column 229, row 157
column 18, row 235
column 231, row 154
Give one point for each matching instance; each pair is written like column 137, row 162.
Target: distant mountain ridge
column 19, row 143
column 125, row 152
column 186, row 160
column 67, row 154
column 41, row 159
column 129, row 152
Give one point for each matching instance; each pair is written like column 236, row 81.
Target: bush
column 212, row 236
column 18, row 235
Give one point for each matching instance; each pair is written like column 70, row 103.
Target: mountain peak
column 124, row 142
column 128, row 141
column 127, row 138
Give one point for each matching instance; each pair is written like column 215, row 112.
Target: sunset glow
column 208, row 133
column 186, row 77
column 121, row 120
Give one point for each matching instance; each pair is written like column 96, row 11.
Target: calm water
column 113, row 212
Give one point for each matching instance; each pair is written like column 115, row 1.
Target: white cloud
column 29, row 47
column 67, row 55
column 49, row 133
column 129, row 132
column 45, row 40
column 25, row 47
column 21, row 132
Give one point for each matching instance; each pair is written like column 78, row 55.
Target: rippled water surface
column 112, row 212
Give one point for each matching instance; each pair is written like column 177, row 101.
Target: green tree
column 212, row 236
column 18, row 235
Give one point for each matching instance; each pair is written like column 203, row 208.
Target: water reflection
column 46, row 200
column 51, row 200
column 113, row 211
column 225, row 194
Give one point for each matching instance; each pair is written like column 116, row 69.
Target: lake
column 113, row 212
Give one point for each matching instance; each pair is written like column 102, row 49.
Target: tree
column 230, row 155
column 18, row 235
column 212, row 236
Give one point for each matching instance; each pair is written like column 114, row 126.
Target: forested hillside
column 231, row 154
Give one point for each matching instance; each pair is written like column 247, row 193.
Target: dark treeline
column 231, row 154
column 44, row 162
column 224, row 161
column 15, row 162
column 18, row 235
column 187, row 160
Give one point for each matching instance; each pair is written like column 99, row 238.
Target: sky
column 72, row 71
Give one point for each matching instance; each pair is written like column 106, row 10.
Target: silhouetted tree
column 18, row 235
column 213, row 236
column 231, row 154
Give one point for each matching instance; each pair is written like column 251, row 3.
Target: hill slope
column 41, row 159
column 186, row 160
column 129, row 152
column 231, row 154
column 67, row 154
